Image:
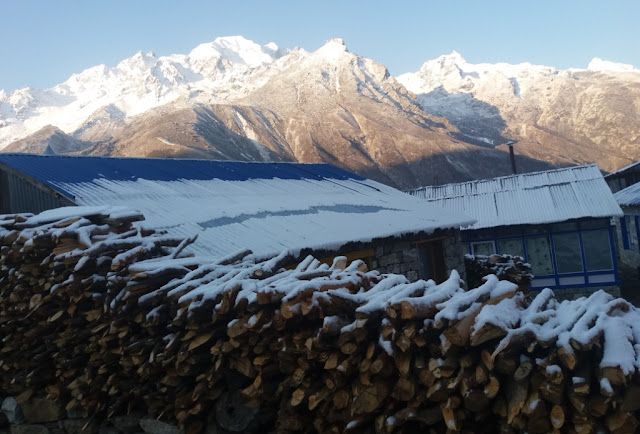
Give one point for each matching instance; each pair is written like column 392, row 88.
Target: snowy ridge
column 454, row 74
column 598, row 64
column 288, row 98
column 230, row 68
column 219, row 71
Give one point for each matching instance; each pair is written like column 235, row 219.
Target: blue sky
column 43, row 42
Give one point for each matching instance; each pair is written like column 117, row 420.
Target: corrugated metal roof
column 530, row 198
column 623, row 169
column 629, row 196
column 266, row 207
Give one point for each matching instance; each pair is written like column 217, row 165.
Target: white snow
column 266, row 215
column 386, row 346
column 332, row 50
column 629, row 196
column 600, row 65
column 530, row 198
column 220, row 71
column 62, row 213
column 505, row 314
column 605, row 386
column 455, row 75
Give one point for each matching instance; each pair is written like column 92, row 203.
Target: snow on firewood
column 108, row 316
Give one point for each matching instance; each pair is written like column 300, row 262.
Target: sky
column 43, row 42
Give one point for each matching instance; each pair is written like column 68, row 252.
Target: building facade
column 560, row 221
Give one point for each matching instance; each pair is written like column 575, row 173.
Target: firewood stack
column 111, row 319
column 505, row 267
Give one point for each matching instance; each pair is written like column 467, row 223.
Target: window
column 562, row 259
column 568, row 253
column 511, row 246
column 597, row 250
column 485, row 248
column 539, row 255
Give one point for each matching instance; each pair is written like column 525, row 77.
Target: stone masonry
column 402, row 256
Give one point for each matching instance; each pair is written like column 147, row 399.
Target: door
column 432, row 260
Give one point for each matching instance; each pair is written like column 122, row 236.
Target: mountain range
column 235, row 99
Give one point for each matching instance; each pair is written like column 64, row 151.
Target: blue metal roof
column 55, row 169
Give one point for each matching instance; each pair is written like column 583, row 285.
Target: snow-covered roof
column 266, row 207
column 629, row 196
column 530, row 198
column 623, row 169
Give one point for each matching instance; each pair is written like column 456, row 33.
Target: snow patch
column 600, row 65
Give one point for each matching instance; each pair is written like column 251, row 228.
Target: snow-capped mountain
column 560, row 116
column 215, row 72
column 235, row 99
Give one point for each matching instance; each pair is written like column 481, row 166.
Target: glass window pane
column 539, row 255
column 512, row 246
column 483, row 248
column 544, row 282
column 571, row 280
column 602, row 278
column 568, row 255
column 597, row 250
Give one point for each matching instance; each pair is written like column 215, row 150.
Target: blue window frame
column 637, row 221
column 624, row 228
column 630, row 231
column 566, row 255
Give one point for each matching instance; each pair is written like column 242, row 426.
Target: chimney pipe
column 513, row 157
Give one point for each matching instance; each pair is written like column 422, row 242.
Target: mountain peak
column 452, row 58
column 333, row 49
column 236, row 49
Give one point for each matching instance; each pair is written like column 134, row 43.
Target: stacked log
column 123, row 322
column 59, row 273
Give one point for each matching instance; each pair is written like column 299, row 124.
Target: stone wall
column 399, row 257
column 402, row 256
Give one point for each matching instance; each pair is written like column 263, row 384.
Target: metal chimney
column 513, row 157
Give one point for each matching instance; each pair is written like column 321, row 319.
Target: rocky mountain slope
column 561, row 116
column 234, row 99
